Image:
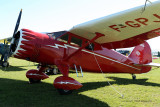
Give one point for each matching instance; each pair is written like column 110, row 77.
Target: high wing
column 124, row 29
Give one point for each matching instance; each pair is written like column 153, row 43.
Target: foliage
column 15, row 91
column 158, row 54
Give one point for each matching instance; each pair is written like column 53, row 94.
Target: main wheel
column 133, row 77
column 52, row 71
column 64, row 92
column 55, row 71
column 5, row 64
column 31, row 81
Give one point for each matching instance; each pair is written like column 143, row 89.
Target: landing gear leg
column 65, row 70
column 65, row 84
column 5, row 64
column 3, row 61
column 133, row 76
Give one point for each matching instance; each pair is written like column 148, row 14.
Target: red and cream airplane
column 90, row 46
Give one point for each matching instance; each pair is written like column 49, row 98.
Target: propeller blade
column 4, row 41
column 18, row 22
column 9, row 39
column 15, row 30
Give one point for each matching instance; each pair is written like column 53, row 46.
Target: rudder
column 141, row 54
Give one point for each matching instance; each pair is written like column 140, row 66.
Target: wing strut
column 98, row 35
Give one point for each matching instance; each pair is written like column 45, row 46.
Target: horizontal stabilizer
column 149, row 65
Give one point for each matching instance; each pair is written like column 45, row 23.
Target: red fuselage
column 41, row 48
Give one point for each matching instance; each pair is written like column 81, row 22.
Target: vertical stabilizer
column 141, row 54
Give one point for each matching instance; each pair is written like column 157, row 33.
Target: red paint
column 132, row 24
column 115, row 28
column 42, row 49
column 63, row 67
column 36, row 75
column 142, row 55
column 142, row 20
column 109, row 60
column 66, row 83
column 157, row 16
column 98, row 35
column 130, row 42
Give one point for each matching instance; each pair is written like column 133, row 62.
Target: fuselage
column 3, row 48
column 46, row 50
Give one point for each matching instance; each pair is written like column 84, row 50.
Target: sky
column 58, row 15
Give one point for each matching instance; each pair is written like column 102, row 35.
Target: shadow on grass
column 20, row 93
column 125, row 81
column 12, row 68
column 92, row 85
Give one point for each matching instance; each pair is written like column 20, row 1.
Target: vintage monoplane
column 90, row 46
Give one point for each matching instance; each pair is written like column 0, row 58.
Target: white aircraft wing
column 124, row 29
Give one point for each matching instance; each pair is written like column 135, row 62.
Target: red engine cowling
column 66, row 83
column 26, row 44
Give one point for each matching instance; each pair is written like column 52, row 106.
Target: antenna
column 143, row 9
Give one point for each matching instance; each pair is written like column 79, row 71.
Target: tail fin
column 141, row 54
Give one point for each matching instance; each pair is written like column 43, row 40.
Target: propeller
column 17, row 24
column 8, row 53
column 14, row 33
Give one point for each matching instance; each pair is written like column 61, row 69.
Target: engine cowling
column 26, row 44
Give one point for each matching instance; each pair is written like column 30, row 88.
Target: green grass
column 15, row 91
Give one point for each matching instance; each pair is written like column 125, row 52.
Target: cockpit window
column 76, row 41
column 51, row 35
column 63, row 38
column 90, row 46
column 55, row 35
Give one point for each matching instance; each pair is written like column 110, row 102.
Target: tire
column 32, row 81
column 134, row 77
column 64, row 92
column 49, row 71
column 55, row 71
column 5, row 64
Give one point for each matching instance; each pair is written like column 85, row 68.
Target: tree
column 158, row 54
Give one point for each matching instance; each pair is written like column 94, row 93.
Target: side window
column 51, row 35
column 76, row 41
column 90, row 46
column 63, row 38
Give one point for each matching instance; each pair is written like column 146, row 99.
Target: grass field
column 15, row 91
